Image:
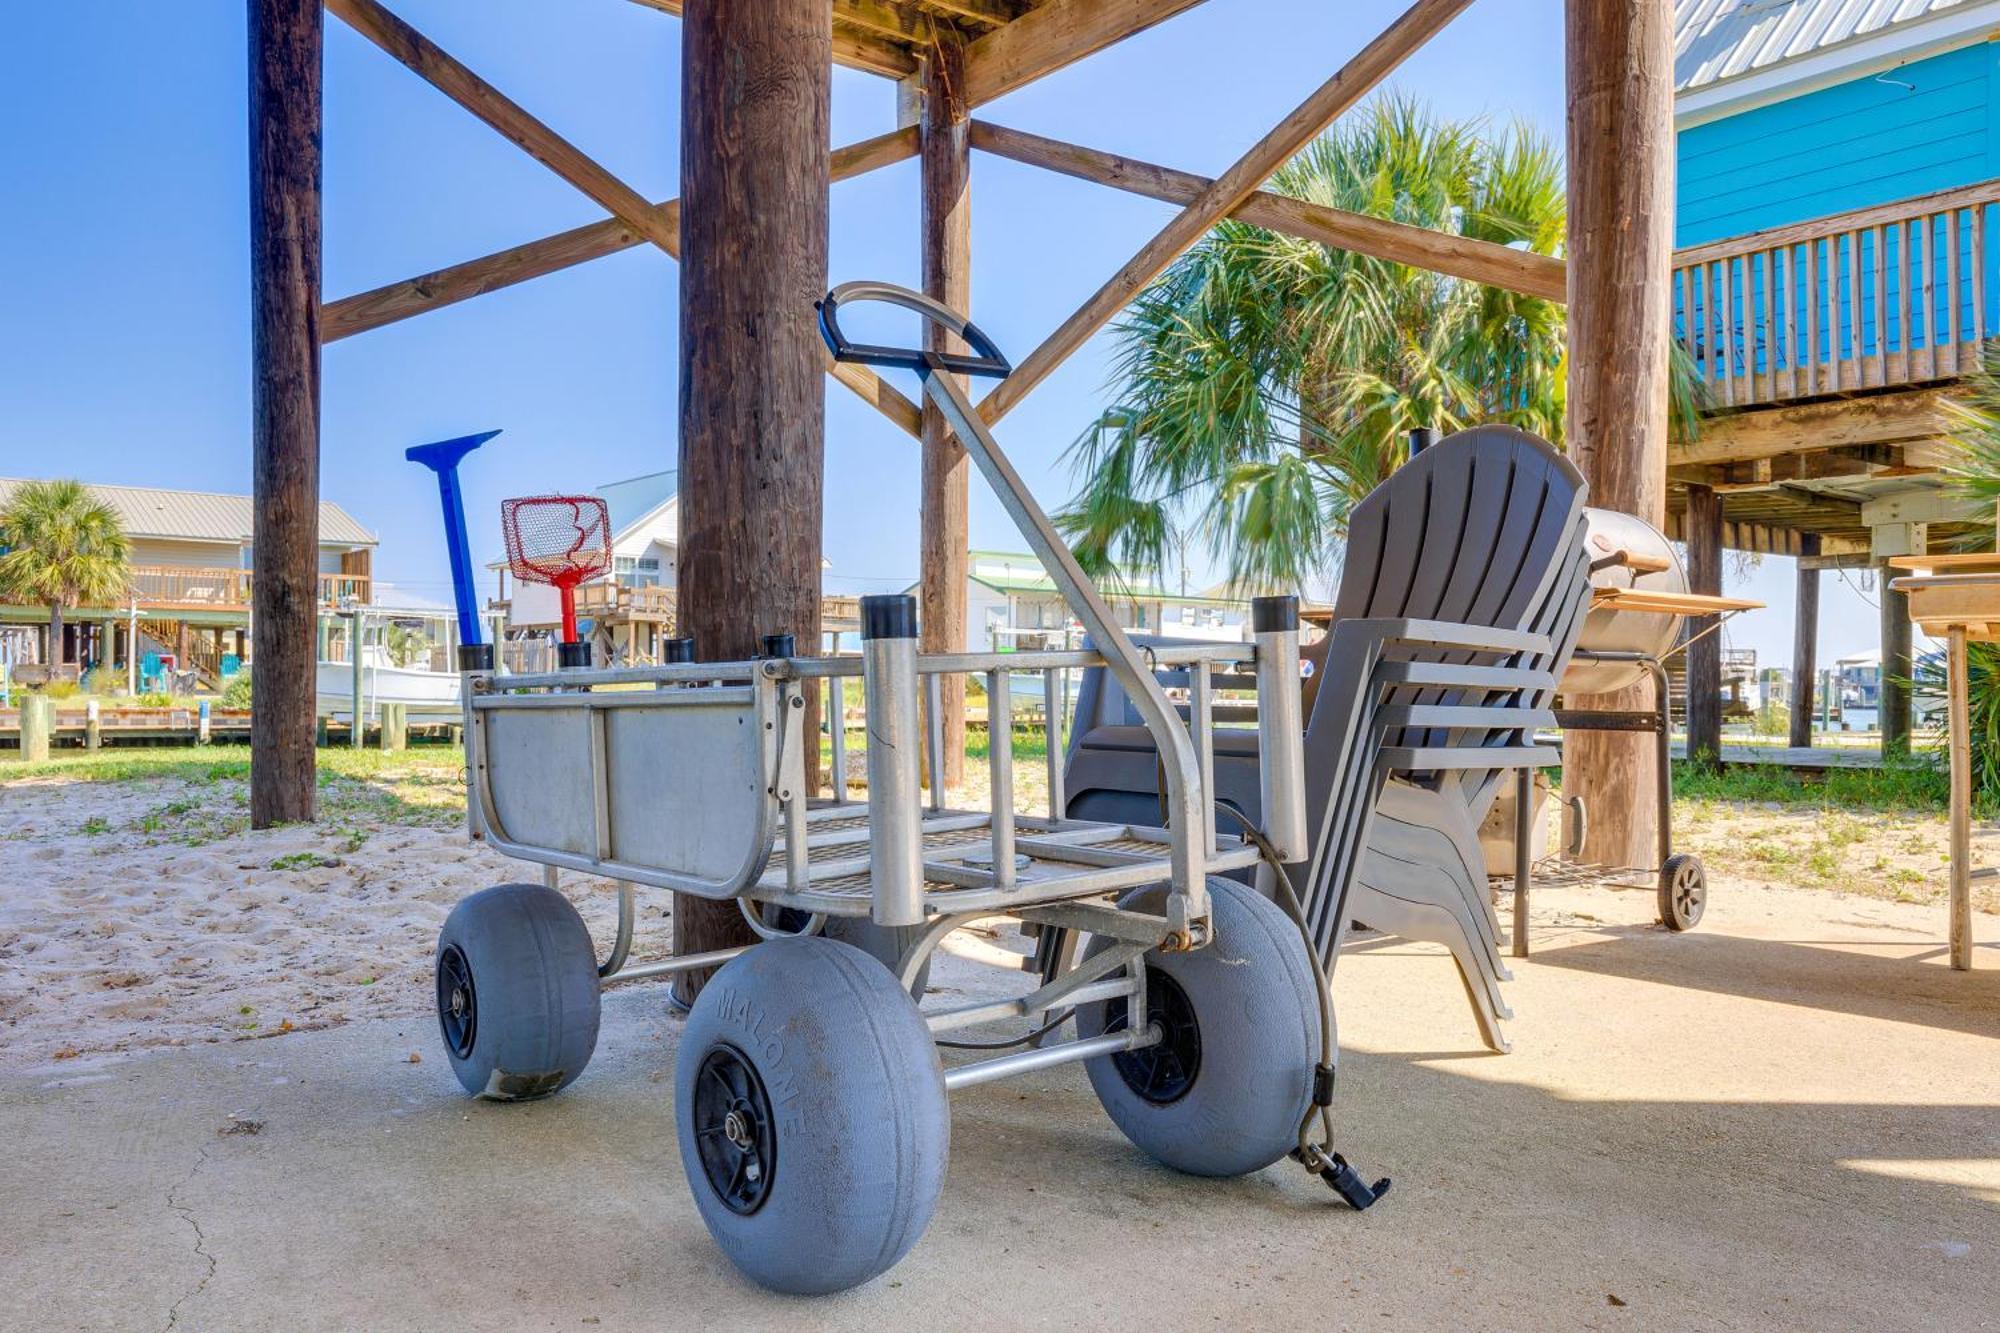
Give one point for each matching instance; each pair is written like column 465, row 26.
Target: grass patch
column 357, row 788
column 1905, row 787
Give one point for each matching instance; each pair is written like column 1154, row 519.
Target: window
column 640, row 572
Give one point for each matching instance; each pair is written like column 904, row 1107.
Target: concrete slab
column 1748, row 1127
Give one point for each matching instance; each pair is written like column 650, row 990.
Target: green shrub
column 1982, row 696
column 236, row 694
column 62, row 689
column 155, row 699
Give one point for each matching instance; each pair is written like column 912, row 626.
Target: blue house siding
column 1866, row 142
column 1849, row 146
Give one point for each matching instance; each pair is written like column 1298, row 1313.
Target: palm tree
column 1266, row 383
column 62, row 547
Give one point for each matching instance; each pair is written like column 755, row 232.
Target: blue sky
column 124, row 346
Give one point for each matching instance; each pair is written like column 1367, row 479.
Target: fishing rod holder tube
column 1274, row 627
column 895, row 819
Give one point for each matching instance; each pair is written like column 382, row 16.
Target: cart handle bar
column 989, row 362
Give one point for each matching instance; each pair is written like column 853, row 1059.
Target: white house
column 645, row 537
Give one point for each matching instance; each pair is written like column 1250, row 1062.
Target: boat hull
column 426, row 694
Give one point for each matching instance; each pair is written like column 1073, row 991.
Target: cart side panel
column 538, row 769
column 686, row 788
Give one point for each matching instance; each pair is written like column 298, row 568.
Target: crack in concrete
column 200, row 1239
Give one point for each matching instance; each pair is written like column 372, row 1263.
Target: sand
column 145, row 913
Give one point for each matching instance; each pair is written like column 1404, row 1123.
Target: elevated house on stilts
column 1838, row 168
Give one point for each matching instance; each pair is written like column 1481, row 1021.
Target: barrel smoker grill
column 1639, row 616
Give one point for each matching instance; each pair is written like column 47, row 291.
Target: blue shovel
column 443, row 458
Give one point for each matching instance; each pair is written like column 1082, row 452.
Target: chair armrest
column 1446, row 634
column 1432, row 759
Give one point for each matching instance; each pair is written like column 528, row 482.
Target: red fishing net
column 559, row 540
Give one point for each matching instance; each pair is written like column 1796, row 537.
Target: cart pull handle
column 988, row 361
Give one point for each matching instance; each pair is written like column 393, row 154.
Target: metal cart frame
column 571, row 770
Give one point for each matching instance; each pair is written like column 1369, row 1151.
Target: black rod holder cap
column 570, row 656
column 1422, row 438
column 678, row 650
column 475, row 657
column 1269, row 614
column 780, row 645
column 889, row 616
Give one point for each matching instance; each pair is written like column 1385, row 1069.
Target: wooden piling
column 756, row 86
column 395, row 727
column 285, row 120
column 946, row 161
column 1620, row 61
column 38, row 725
column 1805, row 645
column 1704, row 654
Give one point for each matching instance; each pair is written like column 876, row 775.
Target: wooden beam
column 1809, row 427
column 946, row 230
column 1397, row 242
column 896, row 22
column 413, row 296
column 286, row 70
column 450, row 77
column 475, row 277
column 858, row 48
column 1058, row 33
column 853, row 47
column 989, row 13
column 1222, row 196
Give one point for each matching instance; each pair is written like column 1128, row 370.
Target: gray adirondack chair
column 1482, row 533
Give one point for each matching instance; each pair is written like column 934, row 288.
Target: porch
column 199, row 615
column 1827, row 351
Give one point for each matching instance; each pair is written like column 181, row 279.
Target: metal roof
column 638, row 498
column 1716, row 40
column 201, row 516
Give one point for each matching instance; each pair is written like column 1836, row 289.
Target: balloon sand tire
column 811, row 1111
column 517, row 992
column 1223, row 1093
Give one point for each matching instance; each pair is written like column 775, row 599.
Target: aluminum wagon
column 810, row 1099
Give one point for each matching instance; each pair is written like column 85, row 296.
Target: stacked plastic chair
column 1483, row 529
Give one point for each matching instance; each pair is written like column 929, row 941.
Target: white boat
column 429, row 695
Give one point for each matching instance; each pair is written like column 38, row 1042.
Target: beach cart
column 810, row 1098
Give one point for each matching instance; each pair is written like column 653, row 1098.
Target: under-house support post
column 1959, row 752
column 1619, row 58
column 1704, row 654
column 946, row 162
column 1893, row 700
column 285, row 120
column 756, row 88
column 1805, row 644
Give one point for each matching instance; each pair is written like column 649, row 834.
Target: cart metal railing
column 570, row 769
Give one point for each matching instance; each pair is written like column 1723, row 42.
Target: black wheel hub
column 1163, row 1072
column 735, row 1133
column 457, row 1001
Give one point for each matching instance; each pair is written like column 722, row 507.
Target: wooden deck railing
column 602, row 599
column 185, row 588
column 1900, row 293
